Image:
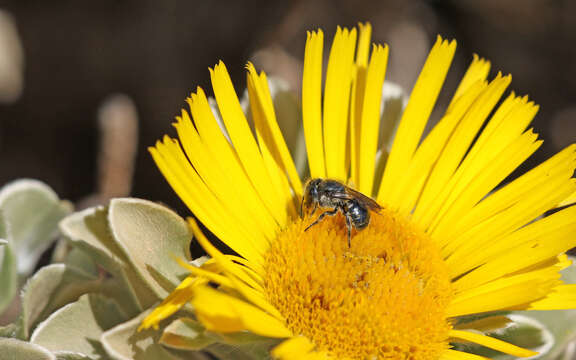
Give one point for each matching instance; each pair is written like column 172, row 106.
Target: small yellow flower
column 450, row 241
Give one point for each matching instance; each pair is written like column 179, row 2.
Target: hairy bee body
column 333, row 197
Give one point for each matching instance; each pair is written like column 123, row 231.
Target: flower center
column 385, row 297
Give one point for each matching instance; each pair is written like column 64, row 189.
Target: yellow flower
column 451, row 240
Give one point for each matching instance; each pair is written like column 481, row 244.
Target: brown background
column 79, row 52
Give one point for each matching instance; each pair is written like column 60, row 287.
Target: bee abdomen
column 358, row 214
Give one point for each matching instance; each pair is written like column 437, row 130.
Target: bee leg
column 314, row 209
column 302, row 209
column 349, row 226
column 331, row 213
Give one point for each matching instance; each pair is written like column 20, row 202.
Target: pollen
column 384, row 297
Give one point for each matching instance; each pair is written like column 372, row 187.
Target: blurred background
column 87, row 86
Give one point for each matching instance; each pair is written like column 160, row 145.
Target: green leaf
column 249, row 351
column 8, row 273
column 81, row 261
column 521, row 331
column 569, row 274
column 186, row 334
column 225, row 351
column 136, row 240
column 77, row 327
column 64, row 355
column 88, row 230
column 13, row 349
column 124, row 342
column 52, row 287
column 10, row 331
column 560, row 323
column 32, row 211
column 154, row 237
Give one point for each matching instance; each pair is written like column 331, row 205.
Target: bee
column 333, row 196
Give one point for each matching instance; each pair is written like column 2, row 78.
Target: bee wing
column 366, row 200
column 353, row 194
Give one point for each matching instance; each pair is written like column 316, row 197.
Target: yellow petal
column 501, row 138
column 238, row 278
column 477, row 72
column 336, row 102
column 293, row 349
column 277, row 142
column 369, row 129
column 504, row 293
column 357, row 99
column 243, row 140
column 268, row 148
column 569, row 200
column 539, row 241
column 492, row 343
column 460, row 355
column 560, row 262
column 248, row 268
column 225, row 158
column 562, row 297
column 173, row 302
column 481, row 232
column 311, row 103
column 191, row 189
column 365, row 33
column 410, row 187
column 224, row 313
column 435, row 192
column 416, row 114
column 465, row 191
column 208, row 275
column 246, row 206
column 515, row 204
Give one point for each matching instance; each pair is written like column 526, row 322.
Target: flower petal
column 561, row 297
column 483, row 168
column 477, row 71
column 311, row 103
column 261, row 99
column 243, row 140
column 234, row 193
column 410, row 187
column 217, row 217
column 370, row 122
column 416, row 114
column 460, row 355
column 480, row 231
column 456, row 148
column 492, row 343
column 569, row 200
column 173, row 302
column 505, row 293
column 293, row 349
column 336, row 102
column 236, row 276
column 539, row 241
column 225, row 313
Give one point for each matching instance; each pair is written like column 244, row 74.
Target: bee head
column 311, row 192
